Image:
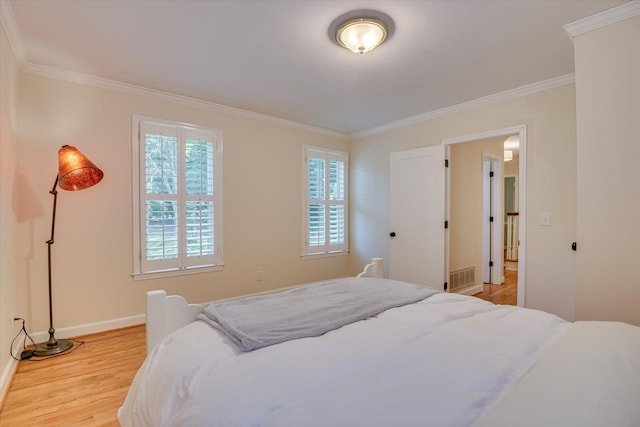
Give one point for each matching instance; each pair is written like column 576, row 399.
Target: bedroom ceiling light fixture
column 361, row 31
column 75, row 172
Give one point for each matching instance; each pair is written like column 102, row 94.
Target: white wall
column 10, row 299
column 608, row 108
column 551, row 185
column 92, row 254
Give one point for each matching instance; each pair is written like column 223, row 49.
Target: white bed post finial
column 373, row 269
column 378, row 268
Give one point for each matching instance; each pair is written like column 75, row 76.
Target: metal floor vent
column 462, row 278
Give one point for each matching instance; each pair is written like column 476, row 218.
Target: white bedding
column 591, row 378
column 445, row 361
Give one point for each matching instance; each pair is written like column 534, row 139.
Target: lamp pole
column 52, row 346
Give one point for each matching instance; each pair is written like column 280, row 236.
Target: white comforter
column 445, row 361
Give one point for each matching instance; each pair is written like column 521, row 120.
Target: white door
column 492, row 219
column 417, row 214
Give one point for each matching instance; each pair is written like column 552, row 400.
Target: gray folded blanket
column 309, row 310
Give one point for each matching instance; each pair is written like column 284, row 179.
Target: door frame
column 521, row 131
column 492, row 234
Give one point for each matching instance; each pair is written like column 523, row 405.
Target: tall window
column 325, row 177
column 178, row 196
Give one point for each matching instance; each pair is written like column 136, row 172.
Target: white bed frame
column 166, row 313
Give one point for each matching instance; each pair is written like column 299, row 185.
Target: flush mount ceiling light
column 361, row 35
column 361, row 31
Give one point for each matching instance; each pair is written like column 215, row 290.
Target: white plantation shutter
column 325, row 201
column 159, row 196
column 179, row 197
column 199, row 198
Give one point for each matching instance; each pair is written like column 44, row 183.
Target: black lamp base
column 50, row 348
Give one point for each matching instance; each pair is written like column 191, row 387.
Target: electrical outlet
column 258, row 275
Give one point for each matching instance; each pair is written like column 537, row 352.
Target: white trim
column 327, row 249
column 324, row 255
column 491, row 99
column 85, row 79
column 522, row 209
column 8, row 21
column 91, row 328
column 182, row 264
column 135, row 191
column 485, row 135
column 521, row 131
column 7, row 376
column 447, row 214
column 176, row 272
column 471, row 290
column 493, row 239
column 604, row 18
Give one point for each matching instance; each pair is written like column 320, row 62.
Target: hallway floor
column 506, row 293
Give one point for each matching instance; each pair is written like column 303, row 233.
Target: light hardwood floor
column 82, row 388
column 87, row 386
column 506, row 293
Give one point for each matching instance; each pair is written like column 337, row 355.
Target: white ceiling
column 275, row 57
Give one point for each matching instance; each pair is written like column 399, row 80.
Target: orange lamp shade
column 75, row 171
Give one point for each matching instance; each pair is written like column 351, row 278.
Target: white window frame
column 327, row 249
column 183, row 264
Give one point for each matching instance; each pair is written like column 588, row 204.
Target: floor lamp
column 75, row 172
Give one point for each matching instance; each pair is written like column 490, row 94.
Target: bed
column 442, row 360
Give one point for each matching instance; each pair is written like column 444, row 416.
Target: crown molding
column 8, row 22
column 604, row 18
column 89, row 80
column 491, row 99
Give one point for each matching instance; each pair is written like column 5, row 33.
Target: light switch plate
column 545, row 218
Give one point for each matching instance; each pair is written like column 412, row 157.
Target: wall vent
column 462, row 278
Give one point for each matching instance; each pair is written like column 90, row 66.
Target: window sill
column 173, row 273
column 325, row 255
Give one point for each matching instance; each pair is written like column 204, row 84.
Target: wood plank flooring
column 507, row 293
column 84, row 387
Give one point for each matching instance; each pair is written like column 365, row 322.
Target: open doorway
column 468, row 214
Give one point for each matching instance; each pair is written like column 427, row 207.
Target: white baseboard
column 471, row 290
column 7, row 375
column 91, row 328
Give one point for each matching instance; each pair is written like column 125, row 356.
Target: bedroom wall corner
column 10, row 280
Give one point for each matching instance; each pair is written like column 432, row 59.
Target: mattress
column 448, row 360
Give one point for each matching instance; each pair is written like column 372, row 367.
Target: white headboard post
column 165, row 314
column 156, row 309
column 374, row 269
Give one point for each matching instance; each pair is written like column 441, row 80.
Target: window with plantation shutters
column 325, row 177
column 177, row 197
